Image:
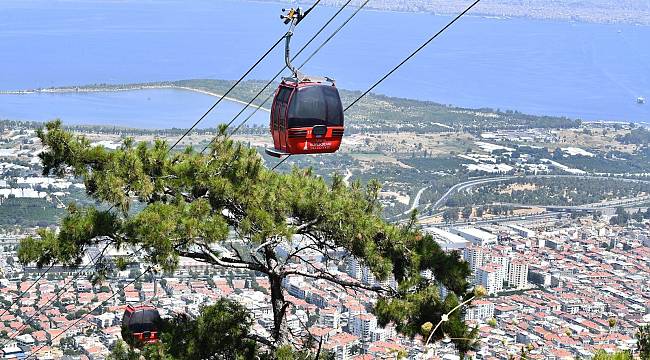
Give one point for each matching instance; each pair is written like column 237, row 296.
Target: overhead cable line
column 25, row 292
column 226, row 93
column 334, row 33
column 402, row 63
column 42, row 274
column 414, row 53
column 56, row 296
column 238, row 82
column 249, row 104
column 90, row 312
column 308, row 59
column 280, row 163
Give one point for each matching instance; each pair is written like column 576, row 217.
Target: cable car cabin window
column 334, row 107
column 141, row 320
column 315, row 105
column 281, row 107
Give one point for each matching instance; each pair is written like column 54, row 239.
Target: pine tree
column 192, row 205
column 643, row 339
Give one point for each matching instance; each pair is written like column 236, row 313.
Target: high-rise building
column 330, row 317
column 489, row 276
column 341, row 345
column 480, row 310
column 474, row 256
column 363, row 325
column 498, row 258
column 353, row 268
column 518, row 274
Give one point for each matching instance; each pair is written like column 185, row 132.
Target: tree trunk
column 280, row 326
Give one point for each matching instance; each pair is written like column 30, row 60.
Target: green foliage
column 28, row 212
column 523, row 355
column 288, row 353
column 185, row 338
column 614, row 162
column 182, row 338
column 643, row 339
column 639, row 136
column 621, row 355
column 76, row 315
column 562, row 191
column 597, row 215
column 467, row 212
column 450, row 215
column 121, row 351
column 78, row 228
column 611, row 322
column 622, row 217
column 191, row 202
column 413, row 314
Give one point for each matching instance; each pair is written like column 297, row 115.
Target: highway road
column 416, row 202
column 471, row 183
column 589, row 207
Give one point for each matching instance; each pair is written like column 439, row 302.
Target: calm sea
column 588, row 71
column 144, row 109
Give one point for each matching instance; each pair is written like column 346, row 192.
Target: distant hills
column 599, row 11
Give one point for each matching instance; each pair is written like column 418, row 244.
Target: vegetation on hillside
column 559, row 191
column 621, row 355
column 638, row 136
column 28, row 212
column 643, row 340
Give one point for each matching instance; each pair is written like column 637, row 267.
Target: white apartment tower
column 363, row 325
column 474, row 256
column 489, row 276
column 518, row 274
column 353, row 268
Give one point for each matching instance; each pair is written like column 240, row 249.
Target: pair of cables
column 409, row 57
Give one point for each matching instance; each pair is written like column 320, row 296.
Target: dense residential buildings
column 565, row 282
column 552, row 299
column 553, row 288
column 363, row 326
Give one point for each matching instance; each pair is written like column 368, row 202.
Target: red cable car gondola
column 307, row 114
column 141, row 323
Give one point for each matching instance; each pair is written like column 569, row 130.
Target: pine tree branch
column 322, row 275
column 261, row 340
column 301, row 229
column 207, row 255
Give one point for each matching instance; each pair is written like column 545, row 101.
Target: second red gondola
column 141, row 323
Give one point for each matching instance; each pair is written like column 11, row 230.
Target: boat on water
column 640, row 100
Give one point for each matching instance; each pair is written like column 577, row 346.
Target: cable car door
column 283, row 121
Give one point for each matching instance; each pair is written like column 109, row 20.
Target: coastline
column 108, row 88
column 503, row 11
column 198, row 86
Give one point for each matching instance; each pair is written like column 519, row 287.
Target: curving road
column 471, row 183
